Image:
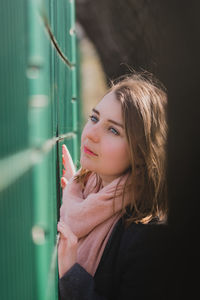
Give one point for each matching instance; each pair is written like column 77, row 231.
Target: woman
column 112, row 233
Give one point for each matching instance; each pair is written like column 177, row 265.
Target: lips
column 89, row 151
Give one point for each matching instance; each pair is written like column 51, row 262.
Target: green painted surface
column 39, row 111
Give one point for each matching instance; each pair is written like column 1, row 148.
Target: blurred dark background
column 161, row 37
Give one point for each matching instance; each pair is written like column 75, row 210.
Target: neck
column 107, row 179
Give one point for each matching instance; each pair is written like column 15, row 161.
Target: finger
column 64, row 165
column 61, row 229
column 68, row 163
column 63, row 160
column 61, row 236
column 66, row 232
column 63, row 182
column 62, row 245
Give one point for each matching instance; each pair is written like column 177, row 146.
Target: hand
column 67, row 248
column 69, row 168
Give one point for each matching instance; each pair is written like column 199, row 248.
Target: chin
column 85, row 164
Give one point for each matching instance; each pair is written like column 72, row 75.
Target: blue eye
column 93, row 118
column 114, row 131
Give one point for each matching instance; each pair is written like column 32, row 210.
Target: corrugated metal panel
column 38, row 112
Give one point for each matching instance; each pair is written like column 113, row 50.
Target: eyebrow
column 111, row 121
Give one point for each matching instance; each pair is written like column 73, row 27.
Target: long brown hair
column 143, row 101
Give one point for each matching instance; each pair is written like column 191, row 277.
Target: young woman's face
column 104, row 148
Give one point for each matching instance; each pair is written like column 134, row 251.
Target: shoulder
column 136, row 235
column 139, row 232
column 144, row 247
column 134, row 262
column 144, row 259
column 145, row 237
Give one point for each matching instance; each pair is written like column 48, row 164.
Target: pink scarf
column 91, row 216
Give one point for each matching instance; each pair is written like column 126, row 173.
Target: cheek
column 83, row 135
column 116, row 156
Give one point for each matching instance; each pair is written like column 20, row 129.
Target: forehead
column 109, row 107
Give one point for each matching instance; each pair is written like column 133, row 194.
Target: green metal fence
column 39, row 111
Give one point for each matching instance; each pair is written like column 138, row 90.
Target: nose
column 93, row 133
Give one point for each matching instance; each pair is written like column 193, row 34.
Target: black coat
column 134, row 265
